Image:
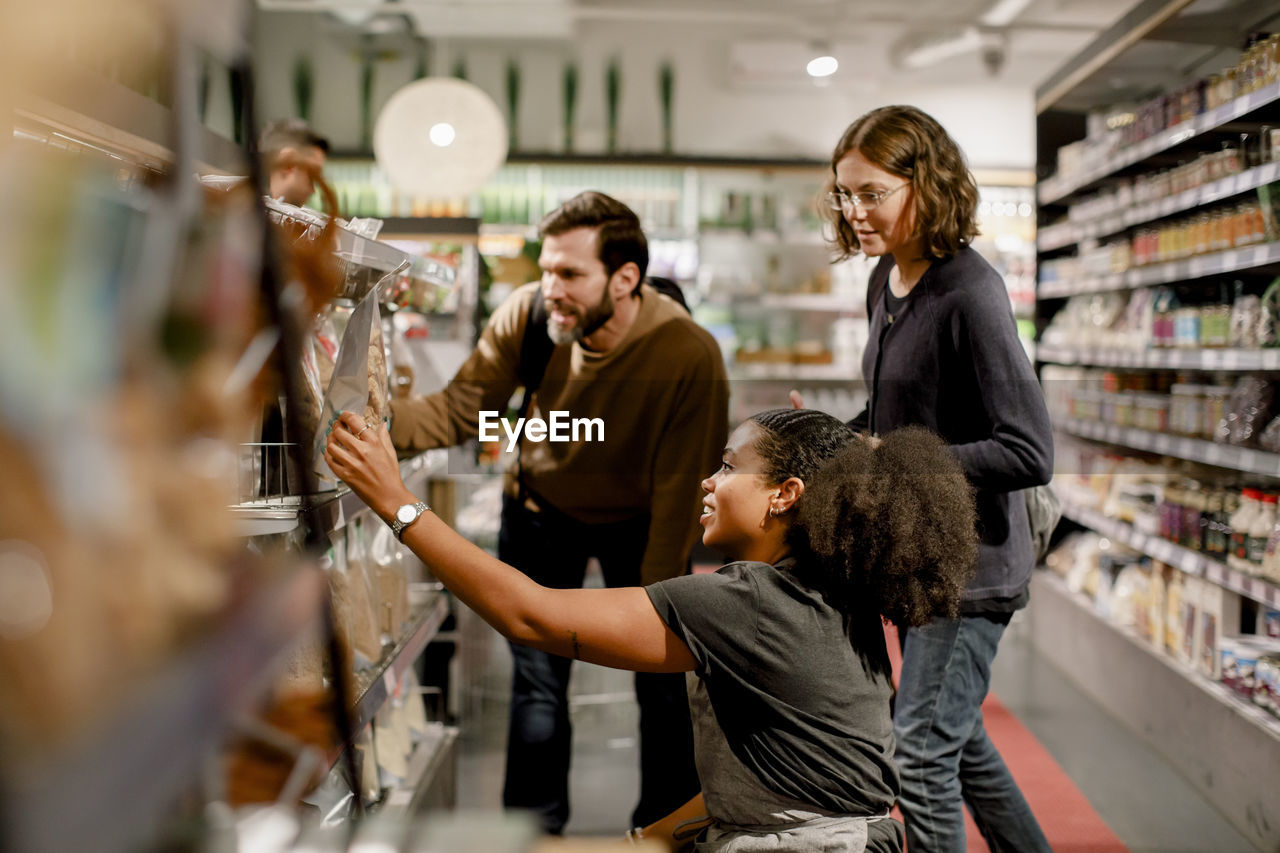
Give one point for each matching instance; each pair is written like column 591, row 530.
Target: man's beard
column 589, row 322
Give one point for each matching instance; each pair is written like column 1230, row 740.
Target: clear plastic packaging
column 1248, row 411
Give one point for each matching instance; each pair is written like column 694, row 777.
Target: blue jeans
column 943, row 752
column 553, row 550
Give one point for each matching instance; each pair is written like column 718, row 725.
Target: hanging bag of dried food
column 359, row 381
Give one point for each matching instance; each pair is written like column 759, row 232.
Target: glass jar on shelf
column 1215, row 408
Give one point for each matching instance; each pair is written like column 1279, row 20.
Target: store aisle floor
column 1094, row 785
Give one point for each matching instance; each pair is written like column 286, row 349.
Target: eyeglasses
column 846, row 202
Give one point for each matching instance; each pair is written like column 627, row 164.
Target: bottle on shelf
column 1271, row 554
column 1241, row 521
column 1215, row 540
column 1260, row 533
column 1192, row 514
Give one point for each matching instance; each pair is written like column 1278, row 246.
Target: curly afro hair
column 884, row 525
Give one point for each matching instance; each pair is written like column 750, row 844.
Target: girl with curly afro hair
column 788, row 674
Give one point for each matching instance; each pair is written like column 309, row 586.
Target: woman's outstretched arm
column 611, row 627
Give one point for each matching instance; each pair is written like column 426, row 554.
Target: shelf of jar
column 1183, row 559
column 1062, row 235
column 1243, row 459
column 1058, row 188
column 1155, row 358
column 1202, row 266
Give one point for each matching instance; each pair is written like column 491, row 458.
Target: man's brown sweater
column 662, row 394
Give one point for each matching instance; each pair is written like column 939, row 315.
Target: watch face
column 406, row 513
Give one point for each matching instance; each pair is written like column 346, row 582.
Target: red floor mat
column 1067, row 818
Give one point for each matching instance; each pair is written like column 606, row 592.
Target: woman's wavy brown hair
column 907, row 142
column 886, row 528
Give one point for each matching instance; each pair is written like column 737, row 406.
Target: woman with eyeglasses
column 944, row 353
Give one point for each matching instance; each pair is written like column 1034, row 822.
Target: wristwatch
column 406, row 515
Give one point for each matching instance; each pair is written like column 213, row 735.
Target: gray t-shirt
column 801, row 696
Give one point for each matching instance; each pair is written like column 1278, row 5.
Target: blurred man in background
column 293, row 155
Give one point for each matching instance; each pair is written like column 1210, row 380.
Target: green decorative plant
column 202, row 88
column 422, row 68
column 460, row 68
column 666, row 92
column 303, row 86
column 570, row 88
column 368, row 71
column 513, row 105
column 237, row 106
column 612, row 92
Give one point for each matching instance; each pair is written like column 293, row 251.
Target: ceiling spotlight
column 822, row 66
column 442, row 134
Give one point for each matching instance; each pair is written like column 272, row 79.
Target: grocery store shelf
column 115, row 789
column 1184, row 559
column 813, row 302
column 1215, row 263
column 432, row 776
column 1244, row 459
column 799, row 372
column 1175, row 359
column 333, row 508
column 112, row 116
column 1067, row 234
column 1226, row 747
column 1055, row 189
column 380, row 682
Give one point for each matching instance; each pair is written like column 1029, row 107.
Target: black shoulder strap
column 535, row 351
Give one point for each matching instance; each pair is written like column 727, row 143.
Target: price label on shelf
column 1267, row 172
column 1230, row 359
column 1163, row 443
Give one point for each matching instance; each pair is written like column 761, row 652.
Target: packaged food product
column 1259, row 533
column 1266, row 689
column 360, row 365
column 1241, row 521
column 1247, row 412
column 1269, row 316
column 1215, row 408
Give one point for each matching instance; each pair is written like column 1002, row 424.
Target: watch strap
column 398, row 526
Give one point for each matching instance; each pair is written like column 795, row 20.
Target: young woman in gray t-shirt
column 789, row 676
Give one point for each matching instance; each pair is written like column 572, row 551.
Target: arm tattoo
column 577, row 650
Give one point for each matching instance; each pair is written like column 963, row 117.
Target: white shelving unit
column 1224, row 360
column 1202, row 266
column 1066, row 234
column 1183, row 559
column 798, row 372
column 1243, row 459
column 825, row 302
column 1229, row 748
column 1217, row 739
column 1056, row 189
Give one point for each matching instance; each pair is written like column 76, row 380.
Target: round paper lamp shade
column 418, row 118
